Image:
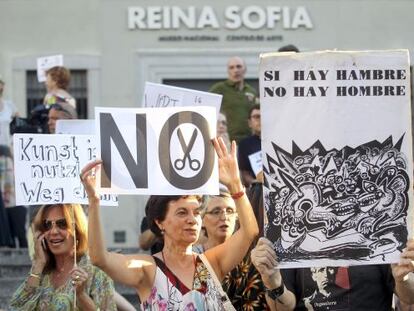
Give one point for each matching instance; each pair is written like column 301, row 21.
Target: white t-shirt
column 6, row 115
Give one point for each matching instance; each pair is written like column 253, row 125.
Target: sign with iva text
column 336, row 140
column 161, row 96
column 47, row 169
column 157, row 150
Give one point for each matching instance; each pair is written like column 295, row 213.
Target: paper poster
column 85, row 127
column 255, row 160
column 157, row 150
column 336, row 139
column 47, row 169
column 75, row 127
column 161, row 96
column 45, row 63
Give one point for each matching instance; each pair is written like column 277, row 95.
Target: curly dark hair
column 157, row 208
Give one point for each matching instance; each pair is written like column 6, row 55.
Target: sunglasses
column 60, row 223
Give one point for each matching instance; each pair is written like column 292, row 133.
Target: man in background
column 249, row 151
column 238, row 97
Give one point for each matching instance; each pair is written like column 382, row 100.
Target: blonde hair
column 79, row 221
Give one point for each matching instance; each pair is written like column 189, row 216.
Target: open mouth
column 369, row 201
column 56, row 242
column 340, row 209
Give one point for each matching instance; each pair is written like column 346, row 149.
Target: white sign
column 336, row 139
column 157, row 150
column 45, row 63
column 85, row 127
column 47, row 168
column 255, row 160
column 161, row 96
column 251, row 17
column 75, row 127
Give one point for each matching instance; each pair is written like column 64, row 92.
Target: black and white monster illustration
column 339, row 204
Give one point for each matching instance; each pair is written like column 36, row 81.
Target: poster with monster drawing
column 337, row 156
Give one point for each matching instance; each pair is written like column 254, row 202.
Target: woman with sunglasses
column 54, row 277
column 176, row 278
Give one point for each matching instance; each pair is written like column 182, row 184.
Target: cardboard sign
column 45, row 63
column 75, row 127
column 47, row 168
column 336, row 139
column 161, row 96
column 85, row 127
column 255, row 160
column 157, row 150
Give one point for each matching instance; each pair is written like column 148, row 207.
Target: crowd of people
column 199, row 252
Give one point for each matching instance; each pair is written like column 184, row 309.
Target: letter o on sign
column 166, row 164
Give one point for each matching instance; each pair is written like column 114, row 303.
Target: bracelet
column 238, row 195
column 35, row 275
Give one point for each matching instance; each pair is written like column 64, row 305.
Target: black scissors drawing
column 179, row 164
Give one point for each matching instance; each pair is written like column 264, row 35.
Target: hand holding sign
column 88, row 178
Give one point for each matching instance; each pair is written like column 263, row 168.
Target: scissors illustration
column 179, row 164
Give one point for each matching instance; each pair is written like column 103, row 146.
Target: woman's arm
column 126, row 269
column 227, row 255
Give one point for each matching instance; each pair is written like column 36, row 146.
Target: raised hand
column 88, row 178
column 228, row 166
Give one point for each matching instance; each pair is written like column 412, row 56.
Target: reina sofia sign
column 235, row 17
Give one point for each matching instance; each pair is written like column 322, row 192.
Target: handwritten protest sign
column 255, row 160
column 45, row 63
column 161, row 96
column 336, row 139
column 157, row 150
column 85, row 127
column 47, row 168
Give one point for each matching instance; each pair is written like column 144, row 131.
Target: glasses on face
column 60, row 223
column 218, row 212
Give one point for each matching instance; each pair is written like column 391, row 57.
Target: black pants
column 17, row 222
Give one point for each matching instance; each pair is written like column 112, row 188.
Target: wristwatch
column 276, row 292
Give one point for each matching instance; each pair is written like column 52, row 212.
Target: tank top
column 204, row 294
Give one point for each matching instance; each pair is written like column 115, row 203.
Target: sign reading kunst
column 251, row 17
column 336, row 142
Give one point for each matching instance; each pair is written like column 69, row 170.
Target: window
column 78, row 88
column 119, row 236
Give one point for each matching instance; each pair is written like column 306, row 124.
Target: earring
column 162, row 231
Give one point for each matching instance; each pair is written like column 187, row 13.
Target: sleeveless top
column 204, row 295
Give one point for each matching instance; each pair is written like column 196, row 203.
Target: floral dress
column 169, row 293
column 46, row 298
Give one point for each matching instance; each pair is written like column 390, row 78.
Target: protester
column 250, row 146
column 61, row 111
column 238, row 96
column 222, row 129
column 148, row 240
column 55, row 275
column 356, row 288
column 57, row 84
column 219, row 221
column 288, row 48
column 16, row 215
column 178, row 220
